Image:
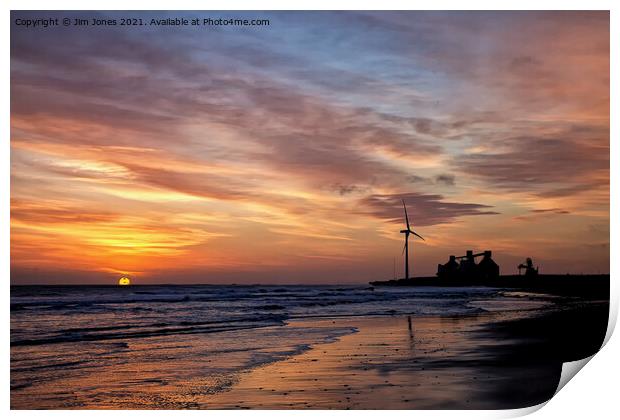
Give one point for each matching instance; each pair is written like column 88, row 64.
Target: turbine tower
column 407, row 232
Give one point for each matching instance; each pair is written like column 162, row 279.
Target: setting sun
column 124, row 281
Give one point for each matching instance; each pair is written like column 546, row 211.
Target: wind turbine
column 407, row 232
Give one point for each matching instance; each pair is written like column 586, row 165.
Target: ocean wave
column 128, row 332
column 41, row 315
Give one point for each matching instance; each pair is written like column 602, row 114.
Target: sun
column 124, row 281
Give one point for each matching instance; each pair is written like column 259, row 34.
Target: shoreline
column 574, row 285
column 486, row 361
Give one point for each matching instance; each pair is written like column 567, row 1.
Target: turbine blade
column 405, row 247
column 406, row 217
column 417, row 235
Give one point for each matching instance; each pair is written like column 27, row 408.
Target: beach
column 476, row 362
column 501, row 349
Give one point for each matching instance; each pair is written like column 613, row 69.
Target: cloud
column 201, row 185
column 561, row 164
column 536, row 214
column 300, row 133
column 446, row 179
column 424, row 209
column 554, row 210
column 416, row 178
column 36, row 212
column 441, row 179
column 344, row 190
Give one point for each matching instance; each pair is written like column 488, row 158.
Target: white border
column 592, row 394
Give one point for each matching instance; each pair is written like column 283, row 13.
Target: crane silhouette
column 407, row 232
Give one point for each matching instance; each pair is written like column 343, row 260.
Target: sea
column 71, row 344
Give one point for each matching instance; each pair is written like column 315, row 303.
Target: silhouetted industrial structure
column 463, row 271
column 466, row 267
column 530, row 271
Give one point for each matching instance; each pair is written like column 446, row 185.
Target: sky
column 282, row 153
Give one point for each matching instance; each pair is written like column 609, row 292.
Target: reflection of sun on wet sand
column 473, row 362
column 381, row 366
column 384, row 365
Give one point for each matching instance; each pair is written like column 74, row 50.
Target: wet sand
column 491, row 361
column 383, row 365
